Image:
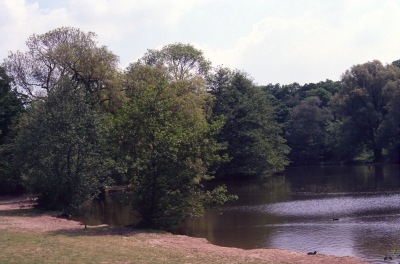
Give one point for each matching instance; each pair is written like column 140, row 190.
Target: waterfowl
column 335, row 219
column 312, row 253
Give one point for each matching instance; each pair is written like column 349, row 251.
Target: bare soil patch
column 14, row 216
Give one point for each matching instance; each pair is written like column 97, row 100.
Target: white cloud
column 20, row 20
column 109, row 18
column 311, row 48
column 285, row 41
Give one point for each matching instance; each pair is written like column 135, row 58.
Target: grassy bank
column 92, row 245
column 34, row 247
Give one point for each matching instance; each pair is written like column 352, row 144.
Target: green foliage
column 362, row 104
column 308, row 132
column 183, row 66
column 324, row 90
column 182, row 61
column 391, row 124
column 63, row 52
column 253, row 137
column 165, row 147
column 10, row 108
column 323, row 95
column 59, row 148
column 396, row 63
column 10, row 105
column 286, row 97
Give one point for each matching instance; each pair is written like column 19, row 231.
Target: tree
column 252, row 136
column 182, row 61
column 11, row 107
column 362, row 106
column 59, row 147
column 64, row 52
column 278, row 98
column 396, row 63
column 391, row 125
column 165, row 147
column 323, row 95
column 184, row 67
column 308, row 132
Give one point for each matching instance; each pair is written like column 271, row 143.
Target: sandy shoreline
column 46, row 223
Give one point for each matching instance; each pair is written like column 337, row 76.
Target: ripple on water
column 329, row 206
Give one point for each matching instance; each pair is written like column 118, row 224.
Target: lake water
column 294, row 211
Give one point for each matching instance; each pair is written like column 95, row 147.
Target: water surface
column 294, row 211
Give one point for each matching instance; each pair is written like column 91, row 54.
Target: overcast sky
column 282, row 41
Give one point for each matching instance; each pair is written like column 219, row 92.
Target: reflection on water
column 114, row 211
column 294, row 211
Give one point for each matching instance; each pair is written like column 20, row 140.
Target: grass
column 94, row 245
column 35, row 247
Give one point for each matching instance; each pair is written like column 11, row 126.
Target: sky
column 274, row 41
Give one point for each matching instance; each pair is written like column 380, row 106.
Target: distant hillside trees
column 308, row 132
column 308, row 124
column 359, row 114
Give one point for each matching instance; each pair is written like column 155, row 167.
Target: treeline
column 355, row 118
column 72, row 124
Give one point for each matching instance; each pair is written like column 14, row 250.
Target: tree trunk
column 377, row 154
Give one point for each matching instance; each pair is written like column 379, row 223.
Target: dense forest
column 72, row 123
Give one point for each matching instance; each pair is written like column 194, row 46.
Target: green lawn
column 35, row 247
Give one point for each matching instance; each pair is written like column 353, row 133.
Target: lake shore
column 17, row 218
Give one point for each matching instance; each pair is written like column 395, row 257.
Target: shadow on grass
column 104, row 231
column 24, row 212
column 30, row 212
column 12, row 198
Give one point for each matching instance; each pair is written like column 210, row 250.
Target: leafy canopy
column 363, row 106
column 11, row 107
column 59, row 148
column 251, row 134
column 63, row 52
column 165, row 147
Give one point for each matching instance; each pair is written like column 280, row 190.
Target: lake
column 294, row 211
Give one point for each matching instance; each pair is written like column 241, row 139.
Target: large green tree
column 64, row 52
column 184, row 67
column 165, row 147
column 251, row 134
column 11, row 106
column 363, row 106
column 59, row 147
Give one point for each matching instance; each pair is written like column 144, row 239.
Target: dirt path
column 46, row 223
